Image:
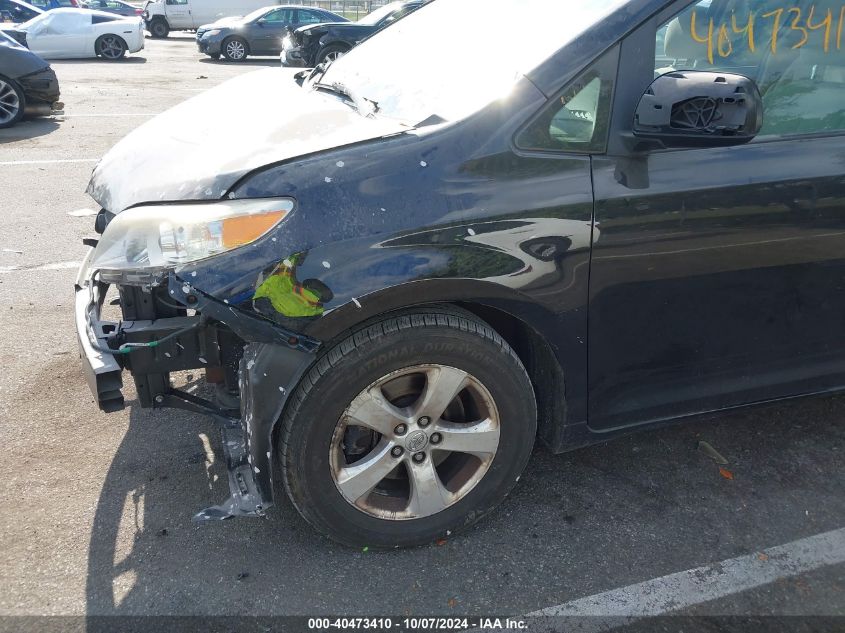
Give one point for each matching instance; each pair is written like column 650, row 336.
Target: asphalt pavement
column 96, row 509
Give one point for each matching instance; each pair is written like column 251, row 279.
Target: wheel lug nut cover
column 424, row 421
column 400, row 429
column 419, row 457
column 397, row 451
column 435, row 438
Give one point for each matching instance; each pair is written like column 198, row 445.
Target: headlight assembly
column 158, row 237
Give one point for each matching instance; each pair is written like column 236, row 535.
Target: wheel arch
column 104, row 35
column 334, row 42
column 272, row 372
column 237, row 36
column 528, row 328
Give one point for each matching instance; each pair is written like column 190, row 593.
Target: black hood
column 202, row 147
column 17, row 61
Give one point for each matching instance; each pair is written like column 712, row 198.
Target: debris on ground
column 712, row 453
column 724, row 472
column 243, row 574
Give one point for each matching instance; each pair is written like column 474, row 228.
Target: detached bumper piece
column 102, row 371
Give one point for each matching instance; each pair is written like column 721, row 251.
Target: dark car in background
column 118, row 7
column 47, row 5
column 28, row 86
column 17, row 11
column 312, row 45
column 258, row 33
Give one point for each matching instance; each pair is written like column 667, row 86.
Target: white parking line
column 48, row 162
column 54, row 266
column 108, row 114
column 684, row 589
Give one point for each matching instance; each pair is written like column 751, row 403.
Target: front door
column 718, row 274
column 178, row 14
column 266, row 34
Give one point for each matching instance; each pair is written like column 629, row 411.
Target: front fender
column 428, row 292
column 269, row 374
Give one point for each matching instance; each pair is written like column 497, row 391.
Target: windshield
column 407, row 71
column 249, row 17
column 29, row 23
column 373, row 18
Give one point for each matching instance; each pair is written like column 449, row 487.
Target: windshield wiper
column 365, row 107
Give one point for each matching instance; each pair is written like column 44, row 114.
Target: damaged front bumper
column 292, row 56
column 41, row 90
column 263, row 360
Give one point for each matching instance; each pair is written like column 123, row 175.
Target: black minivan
column 398, row 271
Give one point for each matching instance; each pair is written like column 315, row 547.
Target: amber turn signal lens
column 244, row 229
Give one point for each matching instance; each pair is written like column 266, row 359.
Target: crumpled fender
column 269, row 373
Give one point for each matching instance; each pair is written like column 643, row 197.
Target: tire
column 110, row 47
column 331, row 52
column 400, row 357
column 159, row 29
column 12, row 102
column 234, row 49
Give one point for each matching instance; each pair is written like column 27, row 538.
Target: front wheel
column 410, row 429
column 234, row 49
column 110, row 47
column 331, row 53
column 11, row 103
column 159, row 28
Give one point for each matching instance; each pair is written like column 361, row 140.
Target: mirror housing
column 693, row 108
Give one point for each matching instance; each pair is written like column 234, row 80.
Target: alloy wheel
column 414, row 442
column 332, row 56
column 111, row 47
column 10, row 103
column 235, row 50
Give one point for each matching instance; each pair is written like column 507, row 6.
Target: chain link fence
column 351, row 9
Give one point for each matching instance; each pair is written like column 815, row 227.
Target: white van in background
column 162, row 16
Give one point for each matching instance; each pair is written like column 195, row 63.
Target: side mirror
column 694, row 108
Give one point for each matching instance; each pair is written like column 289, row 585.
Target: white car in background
column 75, row 33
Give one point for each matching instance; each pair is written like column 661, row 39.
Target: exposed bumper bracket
column 102, row 371
column 244, row 497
